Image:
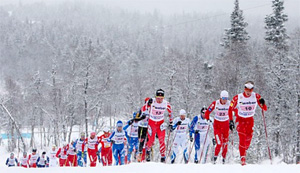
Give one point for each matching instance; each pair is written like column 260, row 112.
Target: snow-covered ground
column 163, row 168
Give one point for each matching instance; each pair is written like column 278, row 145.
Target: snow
column 159, row 167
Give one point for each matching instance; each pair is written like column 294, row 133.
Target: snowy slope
column 163, row 168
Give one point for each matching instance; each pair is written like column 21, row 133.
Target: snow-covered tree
column 277, row 57
column 236, row 35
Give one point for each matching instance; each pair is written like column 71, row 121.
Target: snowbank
column 164, row 168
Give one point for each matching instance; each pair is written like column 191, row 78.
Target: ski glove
column 150, row 101
column 262, row 101
column 130, row 122
column 178, row 123
column 214, row 141
column 191, row 138
column 143, row 116
column 231, row 125
column 196, row 131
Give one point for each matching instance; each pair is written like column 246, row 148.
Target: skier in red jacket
column 106, row 150
column 221, row 124
column 156, row 123
column 246, row 104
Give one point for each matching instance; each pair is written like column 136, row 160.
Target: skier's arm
column 37, row 162
column 194, row 121
column 57, row 153
column 7, row 161
column 111, row 136
column 126, row 126
column 175, row 124
column 16, row 160
column 232, row 106
column 210, row 109
column 261, row 100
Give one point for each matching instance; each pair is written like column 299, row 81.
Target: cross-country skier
column 106, row 150
column 180, row 128
column 117, row 138
column 72, row 154
column 12, row 161
column 246, row 104
column 62, row 155
column 33, row 158
column 199, row 126
column 81, row 150
column 24, row 160
column 43, row 161
column 221, row 124
column 92, row 144
column 133, row 141
column 143, row 128
column 52, row 157
column 156, row 124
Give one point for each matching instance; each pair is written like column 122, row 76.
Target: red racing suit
column 62, row 155
column 72, row 155
column 106, row 150
column 221, row 125
column 92, row 145
column 155, row 124
column 246, row 107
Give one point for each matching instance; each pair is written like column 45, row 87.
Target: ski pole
column 191, row 149
column 264, row 120
column 204, row 143
column 172, row 143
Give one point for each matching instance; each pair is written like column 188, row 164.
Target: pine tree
column 276, row 35
column 237, row 34
column 236, row 59
column 278, row 79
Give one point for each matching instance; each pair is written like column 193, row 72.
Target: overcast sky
column 178, row 6
column 168, row 7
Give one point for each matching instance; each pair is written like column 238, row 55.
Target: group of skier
column 135, row 138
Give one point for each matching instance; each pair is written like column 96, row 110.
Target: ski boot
column 223, row 161
column 139, row 157
column 185, row 160
column 243, row 161
column 215, row 159
column 163, row 159
column 196, row 161
column 148, row 155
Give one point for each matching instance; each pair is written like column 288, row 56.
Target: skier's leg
column 115, row 154
column 109, row 157
column 184, row 146
column 85, row 158
column 161, row 133
column 174, row 150
column 242, row 137
column 218, row 138
column 130, row 149
column 104, row 157
column 122, row 156
column 151, row 135
column 249, row 131
column 225, row 138
column 197, row 147
column 79, row 159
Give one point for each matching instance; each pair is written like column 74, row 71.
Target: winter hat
column 182, row 112
column 105, row 129
column 160, row 93
column 93, row 133
column 119, row 123
column 224, row 94
column 249, row 84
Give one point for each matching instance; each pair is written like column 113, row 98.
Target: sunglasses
column 224, row 98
